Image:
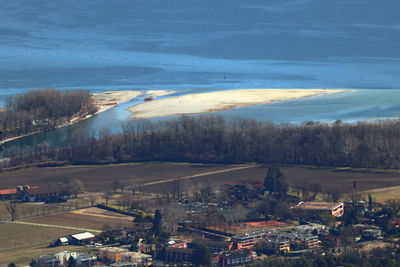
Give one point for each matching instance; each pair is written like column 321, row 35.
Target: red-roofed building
column 8, row 193
column 334, row 209
column 264, row 224
column 50, row 193
column 395, row 222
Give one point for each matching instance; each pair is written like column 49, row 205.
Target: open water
column 195, row 46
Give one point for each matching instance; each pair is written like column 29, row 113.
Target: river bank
column 103, row 101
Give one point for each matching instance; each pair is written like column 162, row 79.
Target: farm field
column 20, row 243
column 157, row 175
column 88, row 219
column 100, row 177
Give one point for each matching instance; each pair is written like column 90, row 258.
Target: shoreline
column 104, row 101
column 221, row 100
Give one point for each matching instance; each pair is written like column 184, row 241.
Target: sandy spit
column 103, row 101
column 221, row 100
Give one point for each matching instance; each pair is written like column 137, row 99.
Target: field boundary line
column 247, row 166
column 54, row 226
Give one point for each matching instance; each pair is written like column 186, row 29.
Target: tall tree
column 202, row 255
column 275, row 182
column 71, row 262
column 370, row 202
column 157, row 222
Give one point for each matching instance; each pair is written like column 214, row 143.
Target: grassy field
column 98, row 178
column 21, row 243
column 25, row 210
column 90, row 219
column 384, row 194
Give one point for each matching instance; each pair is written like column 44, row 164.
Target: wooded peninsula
column 214, row 139
column 42, row 110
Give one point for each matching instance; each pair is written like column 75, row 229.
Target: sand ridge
column 221, row 100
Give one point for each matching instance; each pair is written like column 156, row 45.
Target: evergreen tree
column 370, row 202
column 275, row 182
column 71, row 262
column 202, row 255
column 157, row 222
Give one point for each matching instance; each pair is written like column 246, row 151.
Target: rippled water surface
column 196, row 46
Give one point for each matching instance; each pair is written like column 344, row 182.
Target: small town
column 238, row 223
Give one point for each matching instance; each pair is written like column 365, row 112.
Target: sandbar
column 221, row 100
column 110, row 99
column 159, row 93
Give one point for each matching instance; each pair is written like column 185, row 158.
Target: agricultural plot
column 21, row 243
column 158, row 176
column 84, row 219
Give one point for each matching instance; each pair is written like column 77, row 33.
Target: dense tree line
column 41, row 110
column 214, row 139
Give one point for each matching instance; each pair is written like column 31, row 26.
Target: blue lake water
column 197, row 46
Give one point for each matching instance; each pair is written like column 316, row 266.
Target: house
column 50, row 193
column 178, row 254
column 61, row 259
column 177, row 244
column 46, row 261
column 81, row 238
column 237, row 257
column 111, row 254
column 8, row 194
column 140, row 259
column 298, row 240
column 395, row 223
column 274, row 245
column 247, row 240
column 334, row 209
column 62, row 241
column 371, row 234
column 212, row 245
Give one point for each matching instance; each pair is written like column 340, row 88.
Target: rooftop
column 236, row 254
column 8, row 191
column 325, row 206
column 83, row 236
column 271, row 223
column 113, row 249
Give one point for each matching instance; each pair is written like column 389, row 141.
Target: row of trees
column 41, row 110
column 214, row 139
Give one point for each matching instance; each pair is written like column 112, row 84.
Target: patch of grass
column 383, row 194
column 21, row 243
column 83, row 220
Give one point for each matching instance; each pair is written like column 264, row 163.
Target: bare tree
column 11, row 207
column 76, row 187
column 173, row 214
column 107, row 196
column 333, row 194
column 315, row 189
column 92, row 199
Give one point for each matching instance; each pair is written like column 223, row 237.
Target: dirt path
column 92, row 212
column 241, row 167
column 55, row 226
